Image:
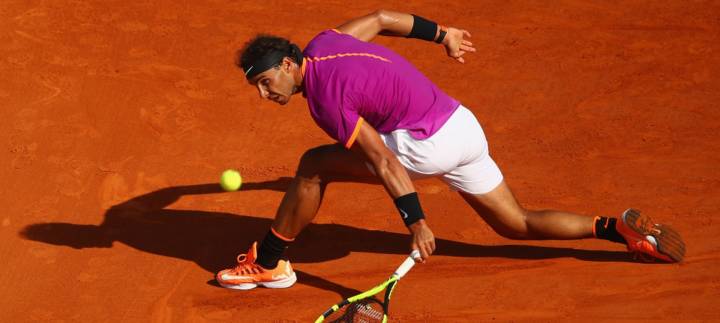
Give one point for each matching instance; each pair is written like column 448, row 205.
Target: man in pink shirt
column 393, row 125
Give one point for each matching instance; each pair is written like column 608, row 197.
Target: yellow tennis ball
column 230, row 180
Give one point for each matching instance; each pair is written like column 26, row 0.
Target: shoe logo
column 404, row 214
column 277, row 277
column 233, row 277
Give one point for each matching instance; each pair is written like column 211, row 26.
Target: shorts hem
column 454, row 186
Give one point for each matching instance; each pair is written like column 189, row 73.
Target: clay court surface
column 116, row 120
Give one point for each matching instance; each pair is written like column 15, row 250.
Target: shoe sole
column 668, row 240
column 283, row 283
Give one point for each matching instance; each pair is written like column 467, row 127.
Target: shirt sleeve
column 341, row 122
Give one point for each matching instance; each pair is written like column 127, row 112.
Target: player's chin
column 283, row 101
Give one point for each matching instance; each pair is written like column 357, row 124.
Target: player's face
column 276, row 84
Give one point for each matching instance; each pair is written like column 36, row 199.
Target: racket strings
column 362, row 311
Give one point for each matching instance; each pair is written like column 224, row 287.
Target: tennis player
column 393, row 125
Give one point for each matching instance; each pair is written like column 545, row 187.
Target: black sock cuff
column 605, row 228
column 271, row 250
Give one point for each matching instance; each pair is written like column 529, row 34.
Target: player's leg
column 481, row 184
column 503, row 213
column 645, row 238
column 318, row 166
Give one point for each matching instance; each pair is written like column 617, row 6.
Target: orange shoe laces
column 648, row 226
column 245, row 267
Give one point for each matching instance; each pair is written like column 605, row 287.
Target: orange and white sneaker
column 248, row 275
column 648, row 240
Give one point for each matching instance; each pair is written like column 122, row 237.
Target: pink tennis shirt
column 348, row 81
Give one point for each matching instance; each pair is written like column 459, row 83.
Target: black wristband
column 409, row 207
column 441, row 36
column 423, row 29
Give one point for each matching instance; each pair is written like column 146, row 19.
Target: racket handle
column 407, row 264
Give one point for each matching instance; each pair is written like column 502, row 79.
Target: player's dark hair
column 263, row 46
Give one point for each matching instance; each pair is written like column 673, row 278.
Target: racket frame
column 388, row 286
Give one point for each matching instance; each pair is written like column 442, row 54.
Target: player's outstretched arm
column 392, row 23
column 398, row 184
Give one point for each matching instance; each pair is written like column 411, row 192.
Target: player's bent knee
column 514, row 227
column 313, row 162
column 308, row 165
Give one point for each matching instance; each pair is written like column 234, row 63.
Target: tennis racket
column 365, row 307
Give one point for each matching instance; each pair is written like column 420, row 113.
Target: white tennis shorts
column 457, row 153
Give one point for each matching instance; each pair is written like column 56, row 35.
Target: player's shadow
column 213, row 239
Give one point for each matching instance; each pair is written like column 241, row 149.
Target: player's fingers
column 429, row 248
column 424, row 252
column 467, row 43
column 461, row 60
column 467, row 48
column 415, row 246
column 458, row 55
column 466, row 33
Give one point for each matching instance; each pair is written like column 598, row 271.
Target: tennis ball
column 230, row 180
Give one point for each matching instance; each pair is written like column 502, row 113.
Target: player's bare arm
column 392, row 23
column 396, row 181
column 392, row 174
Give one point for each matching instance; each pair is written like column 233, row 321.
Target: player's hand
column 456, row 43
column 422, row 239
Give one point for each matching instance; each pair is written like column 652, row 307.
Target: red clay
column 588, row 106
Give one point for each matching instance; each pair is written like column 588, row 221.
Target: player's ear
column 287, row 64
